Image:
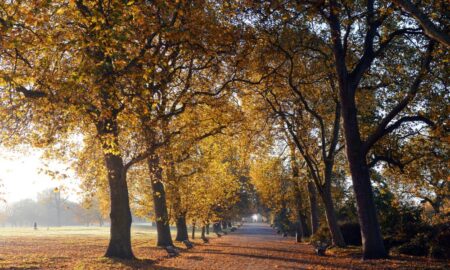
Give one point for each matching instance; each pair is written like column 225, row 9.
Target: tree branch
column 431, row 30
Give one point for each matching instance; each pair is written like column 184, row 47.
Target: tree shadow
column 195, row 258
column 322, row 263
column 268, row 249
column 142, row 264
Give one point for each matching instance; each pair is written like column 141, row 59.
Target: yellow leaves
column 61, row 11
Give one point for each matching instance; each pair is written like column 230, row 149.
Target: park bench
column 188, row 244
column 320, row 247
column 205, row 240
column 172, row 251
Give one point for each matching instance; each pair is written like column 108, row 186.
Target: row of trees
column 51, row 209
column 175, row 100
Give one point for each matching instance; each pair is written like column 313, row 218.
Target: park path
column 257, row 247
column 252, row 246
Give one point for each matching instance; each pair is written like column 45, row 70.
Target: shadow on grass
column 309, row 251
column 321, row 263
column 134, row 264
column 195, row 258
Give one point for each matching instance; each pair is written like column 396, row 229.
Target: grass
column 74, row 248
column 66, row 231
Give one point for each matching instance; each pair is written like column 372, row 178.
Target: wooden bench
column 321, row 248
column 188, row 244
column 172, row 251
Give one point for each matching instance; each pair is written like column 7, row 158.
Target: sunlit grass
column 65, row 231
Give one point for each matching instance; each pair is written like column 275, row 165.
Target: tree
column 349, row 82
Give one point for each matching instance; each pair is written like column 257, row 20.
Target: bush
column 322, row 235
column 351, row 233
column 440, row 243
column 394, row 241
column 432, row 241
column 418, row 246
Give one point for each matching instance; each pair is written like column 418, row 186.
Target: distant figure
column 35, row 225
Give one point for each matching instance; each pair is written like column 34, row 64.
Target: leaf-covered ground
column 251, row 247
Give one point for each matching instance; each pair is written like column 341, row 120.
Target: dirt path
column 257, row 246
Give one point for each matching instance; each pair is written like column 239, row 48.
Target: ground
column 253, row 246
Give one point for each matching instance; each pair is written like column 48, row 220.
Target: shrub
column 440, row 243
column 418, row 246
column 322, row 235
column 351, row 233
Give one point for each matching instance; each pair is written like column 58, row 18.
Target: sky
column 21, row 177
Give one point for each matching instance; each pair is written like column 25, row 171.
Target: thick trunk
column 372, row 240
column 207, row 229
column 313, row 207
column 159, row 202
column 193, row 231
column 335, row 231
column 120, row 239
column 182, row 231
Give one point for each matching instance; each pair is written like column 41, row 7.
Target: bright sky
column 21, row 177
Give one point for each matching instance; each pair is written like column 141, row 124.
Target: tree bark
column 373, row 246
column 120, row 231
column 203, row 232
column 207, row 229
column 159, row 202
column 224, row 225
column 182, row 231
column 314, row 219
column 193, row 230
column 332, row 221
column 120, row 234
column 299, row 229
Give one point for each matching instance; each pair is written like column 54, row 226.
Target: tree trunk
column 120, row 230
column 224, row 225
column 313, row 207
column 159, row 202
column 299, row 226
column 193, row 230
column 58, row 207
column 182, row 231
column 299, row 229
column 207, row 229
column 373, row 247
column 203, row 232
column 120, row 239
column 333, row 226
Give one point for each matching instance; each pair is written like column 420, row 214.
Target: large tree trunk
column 159, row 202
column 182, row 231
column 332, row 221
column 207, row 229
column 120, row 239
column 120, row 230
column 373, row 247
column 313, row 207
